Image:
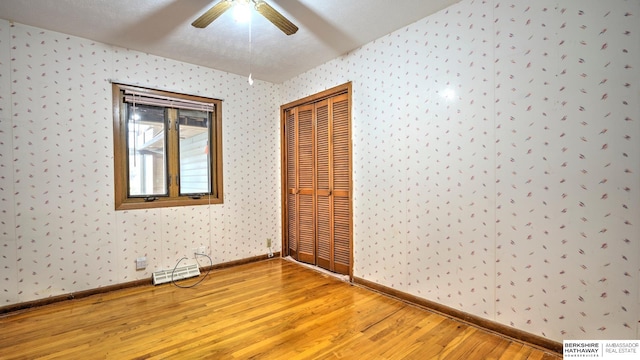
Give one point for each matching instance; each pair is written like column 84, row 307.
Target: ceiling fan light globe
column 242, row 12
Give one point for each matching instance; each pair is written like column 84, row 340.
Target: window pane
column 195, row 154
column 146, row 148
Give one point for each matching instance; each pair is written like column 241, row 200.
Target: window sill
column 134, row 204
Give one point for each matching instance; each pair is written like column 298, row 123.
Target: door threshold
column 341, row 277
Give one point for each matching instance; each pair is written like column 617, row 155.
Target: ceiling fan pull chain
column 250, row 51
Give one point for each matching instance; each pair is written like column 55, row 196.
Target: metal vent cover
column 183, row 272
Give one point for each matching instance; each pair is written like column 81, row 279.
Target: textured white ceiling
column 328, row 28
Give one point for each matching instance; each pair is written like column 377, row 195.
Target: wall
column 496, row 162
column 59, row 232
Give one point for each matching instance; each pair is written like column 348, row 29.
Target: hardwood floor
column 272, row 309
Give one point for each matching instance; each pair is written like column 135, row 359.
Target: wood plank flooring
column 273, row 309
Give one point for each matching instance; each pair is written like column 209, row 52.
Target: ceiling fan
column 262, row 7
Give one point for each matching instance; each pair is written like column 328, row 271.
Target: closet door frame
column 338, row 90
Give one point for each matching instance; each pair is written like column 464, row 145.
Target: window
column 167, row 148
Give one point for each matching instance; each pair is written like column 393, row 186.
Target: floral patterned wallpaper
column 59, row 232
column 567, row 203
column 496, row 162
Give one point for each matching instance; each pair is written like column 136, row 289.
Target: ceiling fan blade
column 276, row 18
column 207, row 18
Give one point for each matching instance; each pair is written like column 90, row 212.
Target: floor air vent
column 183, row 272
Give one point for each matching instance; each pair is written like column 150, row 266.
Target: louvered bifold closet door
column 323, row 187
column 292, row 184
column 306, row 220
column 341, row 182
column 318, row 176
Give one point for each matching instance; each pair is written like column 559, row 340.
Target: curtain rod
column 117, row 82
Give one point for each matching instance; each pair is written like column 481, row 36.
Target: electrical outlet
column 269, row 247
column 141, row 263
column 199, row 250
